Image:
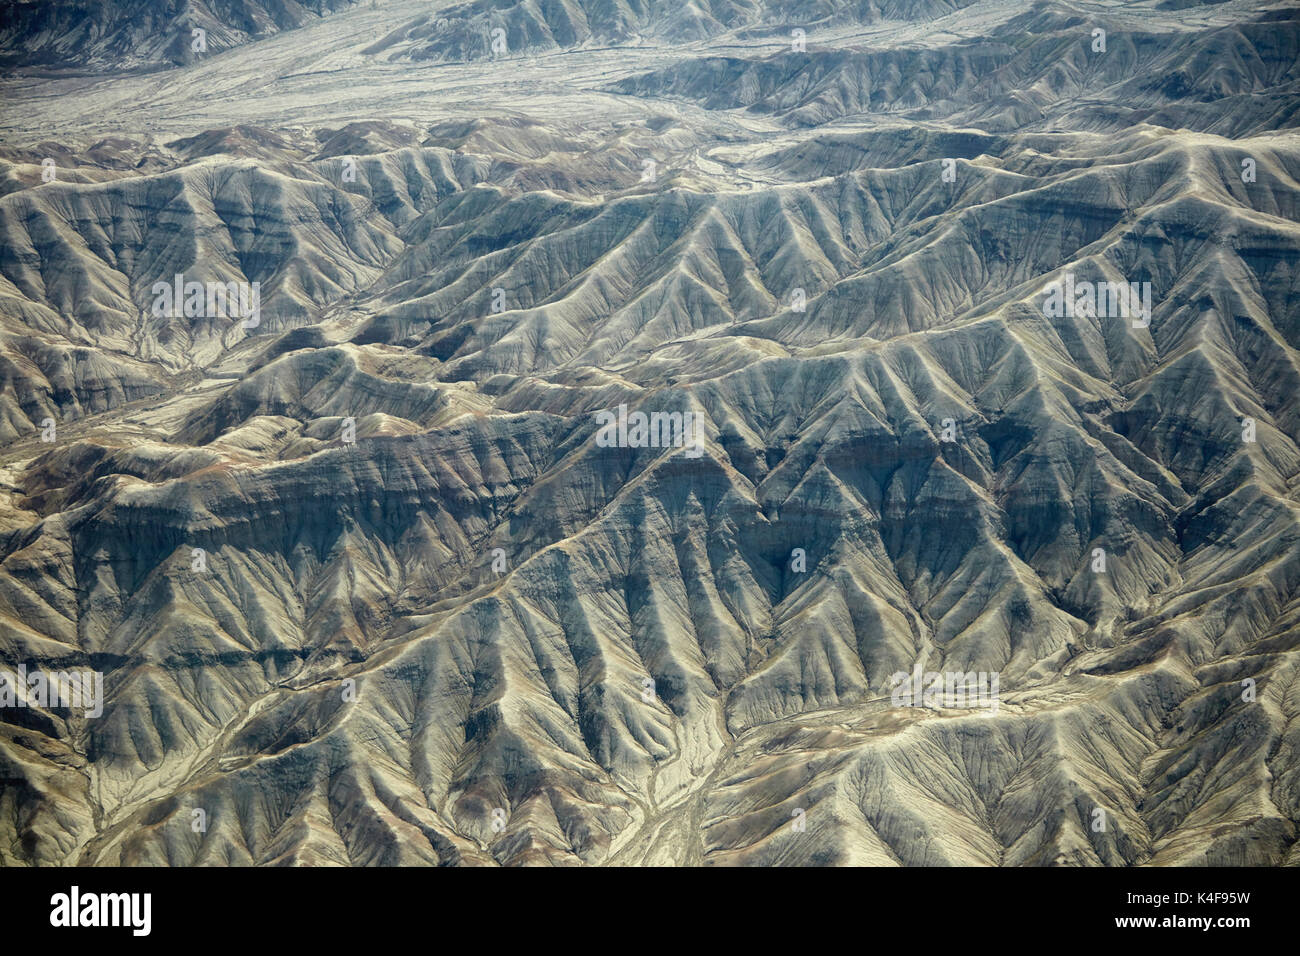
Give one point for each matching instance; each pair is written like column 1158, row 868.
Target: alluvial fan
column 754, row 432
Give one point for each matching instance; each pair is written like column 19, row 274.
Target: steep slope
column 94, row 35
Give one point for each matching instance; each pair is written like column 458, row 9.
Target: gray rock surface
column 477, row 635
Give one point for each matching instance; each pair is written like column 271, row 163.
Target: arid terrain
column 367, row 582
